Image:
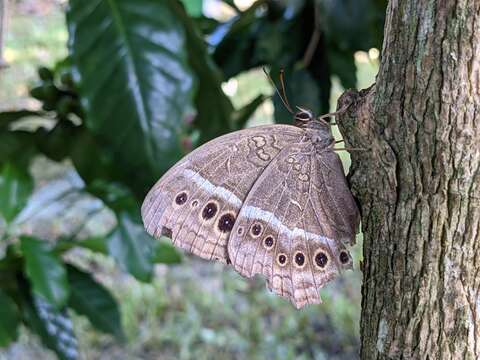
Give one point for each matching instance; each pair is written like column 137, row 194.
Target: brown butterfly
column 270, row 200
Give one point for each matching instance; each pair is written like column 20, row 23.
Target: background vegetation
column 84, row 136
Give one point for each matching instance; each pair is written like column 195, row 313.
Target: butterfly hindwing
column 335, row 198
column 197, row 202
column 284, row 229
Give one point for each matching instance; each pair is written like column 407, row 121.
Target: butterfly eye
column 344, row 258
column 299, row 259
column 181, row 198
column 321, row 259
column 226, row 222
column 256, row 230
column 303, row 116
column 282, row 259
column 209, row 210
column 268, row 242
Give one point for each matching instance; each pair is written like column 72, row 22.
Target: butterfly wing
column 293, row 223
column 334, row 197
column 197, row 201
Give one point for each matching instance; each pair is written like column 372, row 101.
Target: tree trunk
column 418, row 186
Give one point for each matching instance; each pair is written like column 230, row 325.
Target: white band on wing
column 252, row 212
column 219, row 191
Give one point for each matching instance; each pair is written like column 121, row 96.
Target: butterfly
column 270, row 200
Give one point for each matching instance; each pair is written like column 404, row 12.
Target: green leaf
column 58, row 142
column 132, row 72
column 16, row 185
column 194, row 7
column 9, row 320
column 96, row 244
column 267, row 33
column 232, row 4
column 45, row 271
column 87, row 147
column 166, row 253
column 91, row 299
column 9, row 117
column 131, row 246
column 241, row 116
column 235, row 41
column 277, row 34
column 17, row 147
column 361, row 34
column 214, row 108
column 116, row 196
column 205, row 24
column 54, row 326
column 105, row 173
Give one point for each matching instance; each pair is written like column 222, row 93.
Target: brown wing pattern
column 197, row 201
column 329, row 181
column 284, row 229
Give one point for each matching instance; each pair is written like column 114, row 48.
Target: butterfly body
column 270, row 200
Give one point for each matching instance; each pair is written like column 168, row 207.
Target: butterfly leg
column 350, row 149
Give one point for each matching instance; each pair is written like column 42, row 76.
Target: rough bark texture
column 419, row 185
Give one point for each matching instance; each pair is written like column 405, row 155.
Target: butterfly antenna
column 282, row 94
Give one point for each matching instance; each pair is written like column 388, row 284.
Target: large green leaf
column 45, row 271
column 16, row 185
column 9, row 320
column 130, row 63
column 214, row 109
column 54, row 327
column 91, row 299
column 132, row 247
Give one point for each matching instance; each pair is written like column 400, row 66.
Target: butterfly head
column 319, row 128
column 303, row 116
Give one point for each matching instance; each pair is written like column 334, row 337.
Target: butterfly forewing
column 196, row 203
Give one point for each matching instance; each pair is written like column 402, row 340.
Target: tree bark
column 418, row 185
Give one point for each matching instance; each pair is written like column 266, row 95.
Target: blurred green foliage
column 141, row 86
